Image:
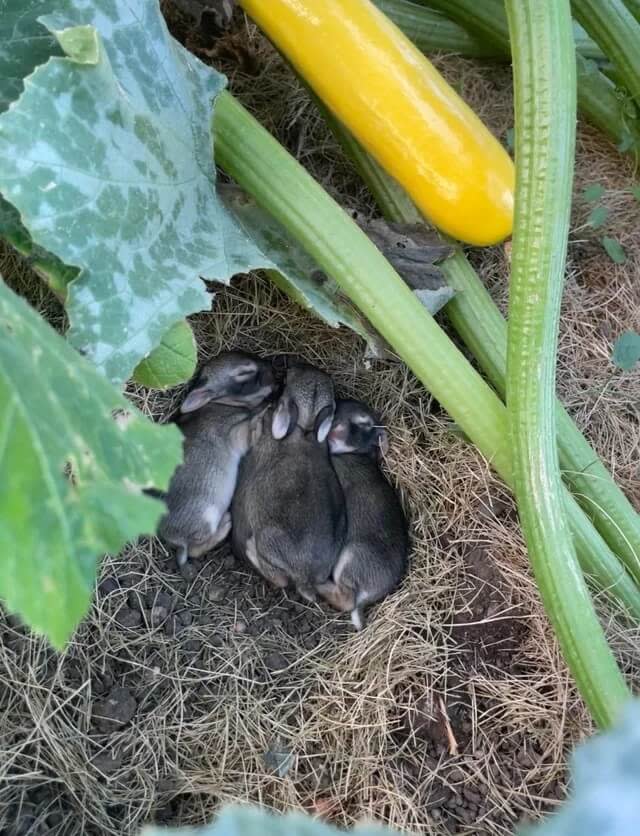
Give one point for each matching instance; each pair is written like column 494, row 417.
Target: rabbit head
column 307, row 402
column 356, row 429
column 233, row 378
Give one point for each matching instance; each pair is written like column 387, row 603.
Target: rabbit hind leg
column 201, row 547
column 271, row 573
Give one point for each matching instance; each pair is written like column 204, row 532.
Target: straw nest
column 453, row 711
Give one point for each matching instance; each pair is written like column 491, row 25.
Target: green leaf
column 635, row 191
column 72, row 475
column 107, row 155
column 171, row 362
column 48, row 266
column 606, row 785
column 24, row 44
column 598, row 216
column 614, row 250
column 299, row 276
column 250, row 821
column 291, row 269
column 626, row 350
column 593, row 192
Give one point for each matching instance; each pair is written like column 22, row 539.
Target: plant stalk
column 545, row 104
column 615, row 29
column 432, row 32
column 597, row 97
column 247, row 152
column 478, row 322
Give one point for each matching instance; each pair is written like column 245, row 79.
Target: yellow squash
column 400, row 108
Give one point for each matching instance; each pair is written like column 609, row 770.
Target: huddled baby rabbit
column 373, row 559
column 288, row 511
column 216, row 420
column 297, row 483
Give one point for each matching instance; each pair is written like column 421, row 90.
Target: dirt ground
column 453, row 711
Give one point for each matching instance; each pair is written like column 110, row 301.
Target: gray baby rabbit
column 288, row 510
column 216, row 421
column 374, row 557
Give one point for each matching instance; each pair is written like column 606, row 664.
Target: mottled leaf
column 72, row 473
column 626, row 350
column 593, row 192
column 171, row 362
column 291, row 269
column 48, row 266
column 614, row 250
column 108, row 157
column 24, row 44
column 251, row 821
column 605, row 798
column 413, row 251
column 598, row 216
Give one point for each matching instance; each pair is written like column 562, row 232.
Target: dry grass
column 224, row 670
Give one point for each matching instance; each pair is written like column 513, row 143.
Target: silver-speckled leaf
column 73, row 474
column 252, row 821
column 24, row 44
column 293, row 271
column 108, row 157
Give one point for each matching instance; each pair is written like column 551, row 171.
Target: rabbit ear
column 284, row 418
column 323, row 423
column 196, row 398
column 383, row 442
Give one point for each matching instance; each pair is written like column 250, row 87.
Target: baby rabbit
column 374, row 557
column 225, row 401
column 288, row 510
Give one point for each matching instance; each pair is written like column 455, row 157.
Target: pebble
column 158, row 615
column 275, row 661
column 108, row 585
column 128, row 618
column 185, row 618
column 159, row 598
column 217, row 593
column 133, row 599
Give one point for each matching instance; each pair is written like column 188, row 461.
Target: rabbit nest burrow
column 453, row 711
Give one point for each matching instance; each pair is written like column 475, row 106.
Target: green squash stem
column 545, row 104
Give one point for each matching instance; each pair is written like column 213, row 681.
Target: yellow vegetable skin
column 400, row 108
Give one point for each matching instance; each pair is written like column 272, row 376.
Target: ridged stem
column 483, row 329
column 545, row 103
column 597, row 97
column 432, row 32
column 283, row 188
column 617, row 32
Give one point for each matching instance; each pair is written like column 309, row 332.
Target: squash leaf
column 626, row 350
column 107, row 155
column 24, row 44
column 297, row 274
column 172, row 362
column 250, row 821
column 73, row 473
